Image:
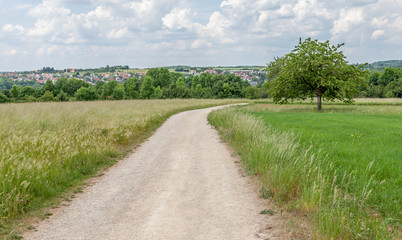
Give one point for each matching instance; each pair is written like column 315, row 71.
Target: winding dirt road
column 182, row 183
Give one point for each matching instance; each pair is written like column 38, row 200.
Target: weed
column 267, row 211
column 266, row 193
column 16, row 237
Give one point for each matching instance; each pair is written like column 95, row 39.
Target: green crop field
column 48, row 148
column 342, row 167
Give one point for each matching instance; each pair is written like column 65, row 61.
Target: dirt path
column 180, row 184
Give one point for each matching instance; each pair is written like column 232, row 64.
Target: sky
column 154, row 33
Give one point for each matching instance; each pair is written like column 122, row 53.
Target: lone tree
column 314, row 69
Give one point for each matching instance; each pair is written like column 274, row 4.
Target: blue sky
column 151, row 33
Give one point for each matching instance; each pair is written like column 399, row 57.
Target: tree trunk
column 319, row 102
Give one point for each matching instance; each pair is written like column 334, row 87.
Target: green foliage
column 171, row 85
column 48, row 86
column 157, row 93
column 384, row 84
column 381, row 65
column 373, row 78
column 197, row 91
column 161, row 77
column 29, row 98
column 62, row 97
column 86, row 94
column 118, row 92
column 108, row 89
column 5, row 83
column 27, row 91
column 178, row 89
column 3, row 98
column 131, row 87
column 6, row 92
column 47, row 70
column 314, row 69
column 47, row 97
column 15, row 91
column 251, row 92
column 389, row 75
column 60, row 85
column 227, row 91
column 69, row 86
column 394, row 89
column 147, row 89
column 99, row 87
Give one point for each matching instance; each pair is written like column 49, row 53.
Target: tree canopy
column 314, row 69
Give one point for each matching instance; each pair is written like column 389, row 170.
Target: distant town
column 253, row 75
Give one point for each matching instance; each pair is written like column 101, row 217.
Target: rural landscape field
column 341, row 167
column 49, row 148
column 201, row 120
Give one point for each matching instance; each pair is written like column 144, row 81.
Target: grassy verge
column 357, row 102
column 48, row 148
column 342, row 167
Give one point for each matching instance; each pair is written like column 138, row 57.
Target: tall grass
column 45, row 148
column 305, row 178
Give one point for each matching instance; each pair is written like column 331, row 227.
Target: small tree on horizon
column 314, row 69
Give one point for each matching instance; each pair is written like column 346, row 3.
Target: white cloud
column 49, row 8
column 379, row 22
column 119, row 33
column 396, row 24
column 10, row 52
column 147, row 14
column 200, row 43
column 47, row 50
column 12, row 29
column 178, row 19
column 377, row 33
column 347, row 19
column 208, row 30
column 217, row 29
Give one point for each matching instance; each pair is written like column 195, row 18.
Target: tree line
column 384, row 84
column 159, row 83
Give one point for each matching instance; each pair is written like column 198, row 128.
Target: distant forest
column 381, row 65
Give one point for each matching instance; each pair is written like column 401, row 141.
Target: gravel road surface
column 182, row 183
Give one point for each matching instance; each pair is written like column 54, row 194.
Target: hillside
column 381, row 65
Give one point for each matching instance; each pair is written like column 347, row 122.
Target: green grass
column 366, row 143
column 341, row 167
column 47, row 149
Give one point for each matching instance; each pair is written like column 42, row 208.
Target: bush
column 86, row 94
column 252, row 92
column 62, row 96
column 3, row 98
column 47, row 97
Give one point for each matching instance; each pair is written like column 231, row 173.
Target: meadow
column 340, row 167
column 47, row 149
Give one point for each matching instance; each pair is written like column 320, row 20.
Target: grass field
column 341, row 167
column 48, row 148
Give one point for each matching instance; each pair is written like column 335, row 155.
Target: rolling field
column 48, row 148
column 341, row 167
